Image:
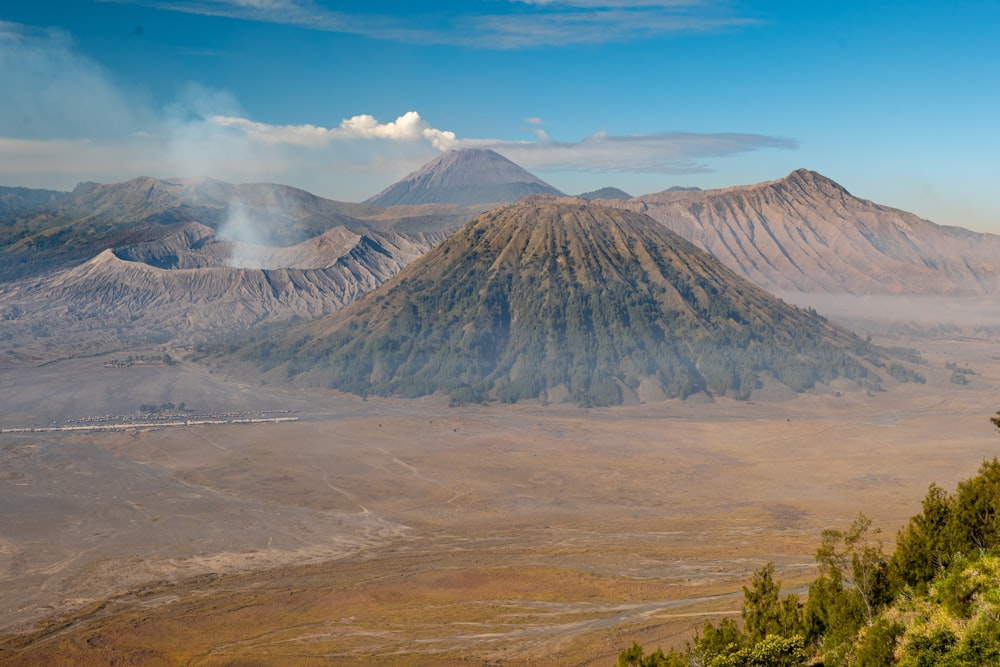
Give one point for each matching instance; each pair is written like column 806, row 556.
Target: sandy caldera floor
column 408, row 532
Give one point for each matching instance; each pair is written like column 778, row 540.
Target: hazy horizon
column 342, row 99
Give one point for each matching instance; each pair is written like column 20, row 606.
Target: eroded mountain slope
column 806, row 233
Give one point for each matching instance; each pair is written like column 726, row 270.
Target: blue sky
column 897, row 101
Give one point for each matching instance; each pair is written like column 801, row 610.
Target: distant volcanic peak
column 807, row 179
column 606, row 193
column 559, row 300
column 466, row 177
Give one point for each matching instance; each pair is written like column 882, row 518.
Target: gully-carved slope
column 806, row 233
column 560, row 300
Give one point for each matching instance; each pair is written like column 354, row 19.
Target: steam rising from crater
column 248, row 235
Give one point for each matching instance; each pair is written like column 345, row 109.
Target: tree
column 713, row 642
column 957, row 623
column 857, row 556
column 849, row 590
column 921, row 547
column 764, row 612
column 772, row 627
column 975, row 523
column 832, row 616
column 995, row 420
column 949, row 526
column 876, row 644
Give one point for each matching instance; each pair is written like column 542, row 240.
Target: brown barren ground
column 410, row 533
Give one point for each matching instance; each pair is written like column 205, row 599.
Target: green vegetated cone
column 559, row 300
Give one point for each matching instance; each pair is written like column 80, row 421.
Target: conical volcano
column 468, row 177
column 562, row 300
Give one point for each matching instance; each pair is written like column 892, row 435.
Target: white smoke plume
column 249, row 236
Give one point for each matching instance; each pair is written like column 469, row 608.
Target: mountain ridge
column 36, row 239
column 605, row 193
column 805, row 233
column 186, row 286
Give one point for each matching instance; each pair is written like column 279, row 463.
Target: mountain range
column 181, row 260
column 800, row 234
column 184, row 260
column 42, row 230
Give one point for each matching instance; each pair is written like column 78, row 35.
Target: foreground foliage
column 934, row 602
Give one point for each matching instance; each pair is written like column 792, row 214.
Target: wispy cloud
column 558, row 23
column 65, row 118
column 304, row 14
column 522, row 23
column 257, row 10
column 46, row 84
column 662, row 153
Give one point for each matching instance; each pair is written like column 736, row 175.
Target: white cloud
column 302, row 13
column 408, row 127
column 260, row 4
column 268, row 10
